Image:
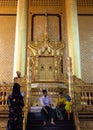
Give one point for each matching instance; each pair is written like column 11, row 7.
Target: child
column 60, row 107
column 68, row 104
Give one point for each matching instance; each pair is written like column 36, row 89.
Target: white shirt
column 45, row 101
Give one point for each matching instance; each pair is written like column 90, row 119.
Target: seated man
column 60, row 107
column 47, row 111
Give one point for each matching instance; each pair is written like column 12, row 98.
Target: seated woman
column 60, row 107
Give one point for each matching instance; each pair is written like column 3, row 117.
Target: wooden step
column 34, row 122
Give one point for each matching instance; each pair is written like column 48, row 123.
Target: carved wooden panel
column 46, row 68
column 53, row 27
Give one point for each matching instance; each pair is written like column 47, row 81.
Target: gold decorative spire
column 46, row 27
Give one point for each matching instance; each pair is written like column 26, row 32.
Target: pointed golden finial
column 46, row 26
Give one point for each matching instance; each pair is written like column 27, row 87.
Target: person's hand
column 22, row 94
column 45, row 110
column 50, row 105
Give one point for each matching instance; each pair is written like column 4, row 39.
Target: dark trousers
column 45, row 116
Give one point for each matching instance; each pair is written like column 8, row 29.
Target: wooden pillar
column 73, row 36
column 21, row 37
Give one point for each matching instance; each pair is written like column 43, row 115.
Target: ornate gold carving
column 78, row 81
column 41, row 46
column 86, row 125
column 3, row 124
column 52, row 51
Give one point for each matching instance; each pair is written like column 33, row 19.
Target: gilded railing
column 27, row 100
column 5, row 90
column 83, row 104
column 76, row 120
column 84, row 97
column 71, row 93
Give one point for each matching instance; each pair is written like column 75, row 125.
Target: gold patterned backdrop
column 86, row 47
column 7, row 38
column 47, row 3
column 8, row 2
column 85, row 3
column 81, row 3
